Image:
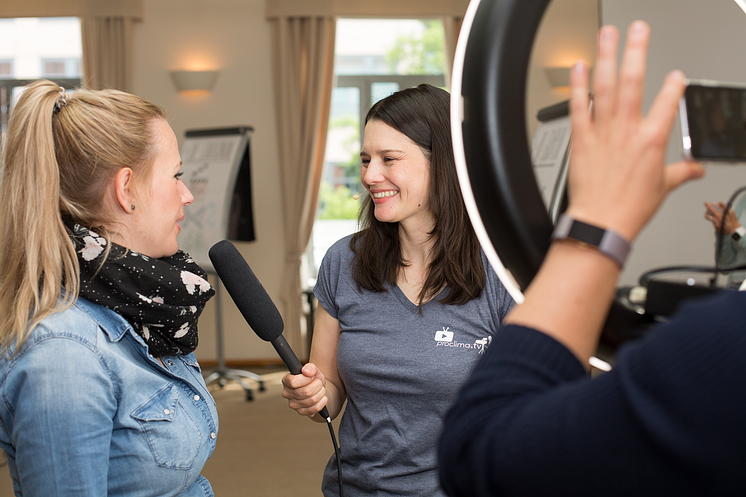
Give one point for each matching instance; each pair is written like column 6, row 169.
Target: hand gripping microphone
column 252, row 300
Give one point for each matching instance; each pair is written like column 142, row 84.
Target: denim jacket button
column 166, row 412
column 213, row 435
column 196, row 398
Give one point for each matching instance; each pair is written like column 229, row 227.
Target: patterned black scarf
column 161, row 298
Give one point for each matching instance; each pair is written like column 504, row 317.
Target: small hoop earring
column 132, row 207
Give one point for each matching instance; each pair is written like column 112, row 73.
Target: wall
column 234, row 37
column 366, row 8
column 705, row 39
column 78, row 8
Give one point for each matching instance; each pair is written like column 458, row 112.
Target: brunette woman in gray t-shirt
column 406, row 306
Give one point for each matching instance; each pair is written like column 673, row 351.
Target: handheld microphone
column 252, row 300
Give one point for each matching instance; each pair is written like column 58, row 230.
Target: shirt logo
column 481, row 345
column 444, row 335
column 445, row 338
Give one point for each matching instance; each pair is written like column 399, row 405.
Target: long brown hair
column 58, row 158
column 423, row 115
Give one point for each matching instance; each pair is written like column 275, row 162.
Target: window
column 61, row 68
column 367, row 69
column 33, row 48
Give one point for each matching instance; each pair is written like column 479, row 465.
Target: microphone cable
column 648, row 275
column 337, row 456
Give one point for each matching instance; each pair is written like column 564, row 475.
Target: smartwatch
column 607, row 242
column 738, row 233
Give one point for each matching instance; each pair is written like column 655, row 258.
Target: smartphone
column 713, row 121
column 717, row 210
column 713, row 209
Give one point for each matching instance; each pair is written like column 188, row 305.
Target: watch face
column 735, row 236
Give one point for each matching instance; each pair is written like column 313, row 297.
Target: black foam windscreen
column 246, row 291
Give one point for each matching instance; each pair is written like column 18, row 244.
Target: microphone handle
column 291, row 361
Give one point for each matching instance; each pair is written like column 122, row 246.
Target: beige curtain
column 452, row 27
column 303, row 51
column 107, row 52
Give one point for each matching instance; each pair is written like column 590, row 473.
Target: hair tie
column 61, row 100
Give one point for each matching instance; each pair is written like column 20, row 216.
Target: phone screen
column 714, row 121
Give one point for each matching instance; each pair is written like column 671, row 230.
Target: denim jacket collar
column 114, row 325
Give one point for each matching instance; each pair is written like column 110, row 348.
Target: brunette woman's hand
column 306, row 392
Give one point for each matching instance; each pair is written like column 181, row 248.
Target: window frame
column 6, row 88
column 364, row 82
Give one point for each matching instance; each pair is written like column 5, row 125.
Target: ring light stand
column 488, row 126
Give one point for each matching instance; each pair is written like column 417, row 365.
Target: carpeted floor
column 264, row 449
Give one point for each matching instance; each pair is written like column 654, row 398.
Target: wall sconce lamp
column 194, row 80
column 559, row 77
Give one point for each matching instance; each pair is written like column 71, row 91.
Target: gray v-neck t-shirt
column 402, row 370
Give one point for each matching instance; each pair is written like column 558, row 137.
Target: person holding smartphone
column 668, row 419
column 732, row 242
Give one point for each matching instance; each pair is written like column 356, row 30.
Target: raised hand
column 618, row 177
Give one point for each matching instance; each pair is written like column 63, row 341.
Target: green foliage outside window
column 337, row 203
column 410, row 55
column 415, row 55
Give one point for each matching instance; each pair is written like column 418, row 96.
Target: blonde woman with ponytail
column 100, row 392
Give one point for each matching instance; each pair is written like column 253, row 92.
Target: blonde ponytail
column 55, row 163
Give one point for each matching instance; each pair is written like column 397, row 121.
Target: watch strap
column 607, row 242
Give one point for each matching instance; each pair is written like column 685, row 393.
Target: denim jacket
column 86, row 411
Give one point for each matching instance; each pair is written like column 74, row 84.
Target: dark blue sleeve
column 668, row 419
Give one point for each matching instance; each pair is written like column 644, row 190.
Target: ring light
column 493, row 160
